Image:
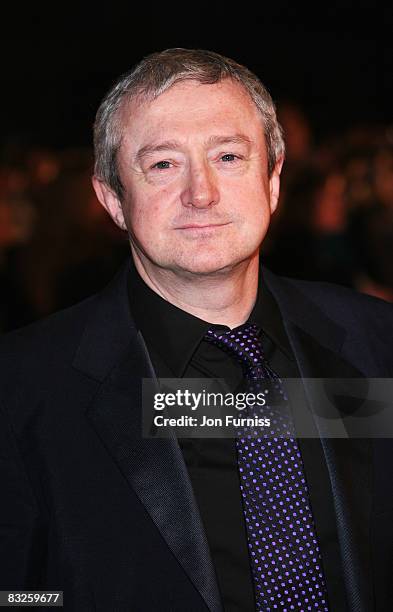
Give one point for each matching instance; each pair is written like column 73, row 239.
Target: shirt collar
column 175, row 334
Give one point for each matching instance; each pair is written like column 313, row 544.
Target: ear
column 274, row 184
column 109, row 201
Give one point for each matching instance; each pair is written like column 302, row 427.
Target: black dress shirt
column 175, row 341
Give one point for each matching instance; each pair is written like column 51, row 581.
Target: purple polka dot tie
column 282, row 542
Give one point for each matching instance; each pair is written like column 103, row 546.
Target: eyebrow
column 173, row 145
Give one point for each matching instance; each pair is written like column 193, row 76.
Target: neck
column 226, row 297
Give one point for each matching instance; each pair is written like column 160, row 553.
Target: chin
column 208, row 266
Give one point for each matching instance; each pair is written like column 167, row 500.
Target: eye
column 162, row 165
column 229, row 157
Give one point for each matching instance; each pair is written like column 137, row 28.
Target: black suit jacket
column 92, row 508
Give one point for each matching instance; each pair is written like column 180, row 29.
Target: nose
column 200, row 189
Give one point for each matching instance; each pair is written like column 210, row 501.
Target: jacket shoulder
column 343, row 320
column 347, row 306
column 44, row 344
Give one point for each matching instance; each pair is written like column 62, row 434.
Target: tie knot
column 244, row 345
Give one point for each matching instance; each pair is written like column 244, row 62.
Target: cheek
column 147, row 219
column 254, row 183
column 248, row 201
column 154, row 204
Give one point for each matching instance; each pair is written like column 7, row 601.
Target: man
column 188, row 159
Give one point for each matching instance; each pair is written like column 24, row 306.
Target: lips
column 196, row 226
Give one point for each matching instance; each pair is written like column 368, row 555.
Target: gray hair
column 153, row 76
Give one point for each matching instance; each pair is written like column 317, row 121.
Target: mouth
column 205, row 226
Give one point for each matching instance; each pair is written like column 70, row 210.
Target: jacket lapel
column 317, row 342
column 112, row 352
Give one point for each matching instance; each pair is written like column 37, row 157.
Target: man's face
column 193, row 164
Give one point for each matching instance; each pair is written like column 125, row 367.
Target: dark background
column 335, row 59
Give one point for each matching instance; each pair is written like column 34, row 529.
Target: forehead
column 195, row 109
